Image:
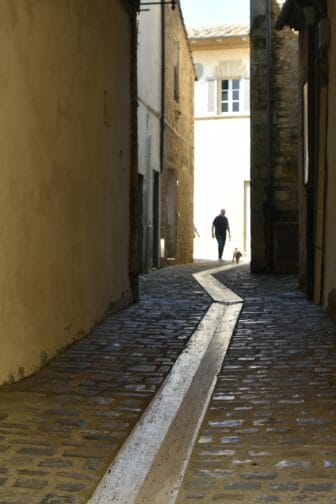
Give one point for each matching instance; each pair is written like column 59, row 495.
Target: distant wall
column 178, row 140
column 65, row 169
column 222, row 146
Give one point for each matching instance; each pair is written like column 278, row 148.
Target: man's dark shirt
column 221, row 224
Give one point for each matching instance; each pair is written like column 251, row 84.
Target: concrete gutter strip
column 164, row 478
column 152, row 462
column 215, row 289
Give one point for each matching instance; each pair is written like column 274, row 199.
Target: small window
column 231, row 95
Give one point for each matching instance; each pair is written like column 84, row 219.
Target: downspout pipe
column 133, row 180
column 268, row 205
column 162, row 122
column 163, row 80
column 322, row 71
column 313, row 141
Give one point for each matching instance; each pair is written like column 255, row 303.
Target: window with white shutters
column 231, row 96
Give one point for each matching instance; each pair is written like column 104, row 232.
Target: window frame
column 230, row 101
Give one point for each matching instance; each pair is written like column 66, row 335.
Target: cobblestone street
column 269, row 434
column 61, row 428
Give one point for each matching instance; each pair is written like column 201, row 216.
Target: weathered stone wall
column 285, row 150
column 178, row 139
column 258, row 132
column 65, row 135
column 302, row 192
column 274, row 208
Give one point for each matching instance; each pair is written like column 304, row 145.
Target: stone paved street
column 60, row 429
column 269, row 434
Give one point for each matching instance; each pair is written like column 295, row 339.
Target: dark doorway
column 171, row 213
column 140, row 222
column 156, row 217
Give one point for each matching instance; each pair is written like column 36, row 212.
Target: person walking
column 219, row 228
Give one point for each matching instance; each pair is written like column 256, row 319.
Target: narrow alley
column 167, row 251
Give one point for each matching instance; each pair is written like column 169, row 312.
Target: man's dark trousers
column 221, row 239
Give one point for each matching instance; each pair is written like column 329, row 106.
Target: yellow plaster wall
column 64, row 165
column 330, row 235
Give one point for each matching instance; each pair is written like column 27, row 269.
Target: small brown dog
column 236, row 255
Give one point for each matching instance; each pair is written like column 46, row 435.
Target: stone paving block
column 225, row 497
column 37, row 451
column 58, row 499
column 318, row 487
column 246, row 487
column 71, row 487
column 31, row 483
column 255, row 475
column 56, row 463
column 267, row 498
column 289, row 486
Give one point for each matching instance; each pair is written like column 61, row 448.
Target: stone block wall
column 274, row 205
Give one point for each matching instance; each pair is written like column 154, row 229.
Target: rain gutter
column 163, row 79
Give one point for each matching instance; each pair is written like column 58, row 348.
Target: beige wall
column 330, row 240
column 64, row 189
column 179, row 138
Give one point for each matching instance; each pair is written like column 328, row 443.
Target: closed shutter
column 247, row 95
column 211, row 95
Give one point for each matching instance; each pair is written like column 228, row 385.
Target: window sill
column 235, row 115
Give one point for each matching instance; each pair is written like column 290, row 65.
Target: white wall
column 149, row 86
column 149, row 93
column 220, row 64
column 149, row 57
column 222, row 155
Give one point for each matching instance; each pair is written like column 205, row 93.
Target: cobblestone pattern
column 269, row 434
column 61, row 428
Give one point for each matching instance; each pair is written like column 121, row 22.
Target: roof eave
column 292, row 14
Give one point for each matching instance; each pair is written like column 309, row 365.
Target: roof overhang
column 295, row 13
column 134, row 4
column 217, row 42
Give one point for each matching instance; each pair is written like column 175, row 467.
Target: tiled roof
column 219, row 31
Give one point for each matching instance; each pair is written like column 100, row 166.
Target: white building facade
column 222, row 135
